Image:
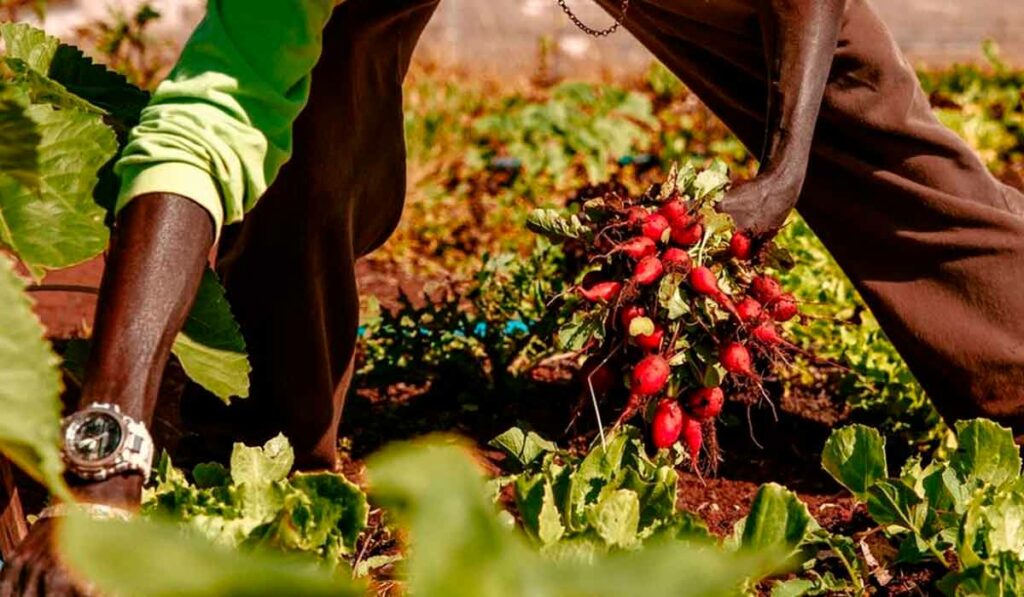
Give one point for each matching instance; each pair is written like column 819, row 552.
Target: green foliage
column 470, row 553
column 972, row 504
column 580, row 125
column 29, row 387
column 210, row 346
column 255, row 503
column 615, row 497
column 156, row 558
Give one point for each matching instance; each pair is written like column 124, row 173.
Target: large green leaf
column 19, row 152
column 986, row 452
column 855, row 457
column 145, row 558
column 74, row 72
column 58, row 224
column 210, row 346
column 29, row 387
column 778, row 521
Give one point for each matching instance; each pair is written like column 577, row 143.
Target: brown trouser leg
column 932, row 241
column 290, row 267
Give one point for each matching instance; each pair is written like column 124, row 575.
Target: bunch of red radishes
column 681, row 310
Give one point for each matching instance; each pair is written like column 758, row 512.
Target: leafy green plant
column 615, row 497
column 965, row 512
column 256, row 503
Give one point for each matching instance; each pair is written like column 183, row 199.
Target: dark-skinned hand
column 34, row 570
column 761, row 206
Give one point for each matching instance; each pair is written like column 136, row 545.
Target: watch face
column 94, row 437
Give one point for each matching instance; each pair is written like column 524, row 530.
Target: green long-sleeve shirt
column 219, row 128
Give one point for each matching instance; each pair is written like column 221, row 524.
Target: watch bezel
column 75, row 421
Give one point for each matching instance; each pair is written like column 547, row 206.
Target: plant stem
column 63, row 288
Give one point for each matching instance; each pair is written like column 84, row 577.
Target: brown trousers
column 933, row 242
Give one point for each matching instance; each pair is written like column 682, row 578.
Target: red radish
column 784, row 308
column 654, row 227
column 628, row 314
column 693, row 436
column 636, row 215
column 602, row 292
column 648, row 271
column 704, row 281
column 706, row 403
column 677, row 213
column 687, row 236
column 748, row 309
column 667, row 425
column 765, row 289
column 676, row 258
column 649, row 376
column 736, row 359
column 639, row 247
column 650, row 341
column 740, row 246
column 766, row 333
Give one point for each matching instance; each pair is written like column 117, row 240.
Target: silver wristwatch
column 101, row 441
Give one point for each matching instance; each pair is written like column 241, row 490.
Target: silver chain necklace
column 623, row 8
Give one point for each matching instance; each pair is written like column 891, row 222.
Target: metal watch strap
column 97, row 511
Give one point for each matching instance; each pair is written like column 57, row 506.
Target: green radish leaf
column 778, row 521
column 29, row 387
column 584, row 327
column 986, row 453
column 616, row 518
column 855, row 457
column 210, row 346
column 551, row 224
column 262, row 465
column 641, row 326
column 524, row 446
column 711, row 180
column 118, row 558
column 58, row 224
column 671, row 298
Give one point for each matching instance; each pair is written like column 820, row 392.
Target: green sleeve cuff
column 173, row 177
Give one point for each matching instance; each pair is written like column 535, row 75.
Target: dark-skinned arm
column 157, row 257
column 800, row 38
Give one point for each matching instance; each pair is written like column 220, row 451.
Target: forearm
column 800, row 41
column 157, row 258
